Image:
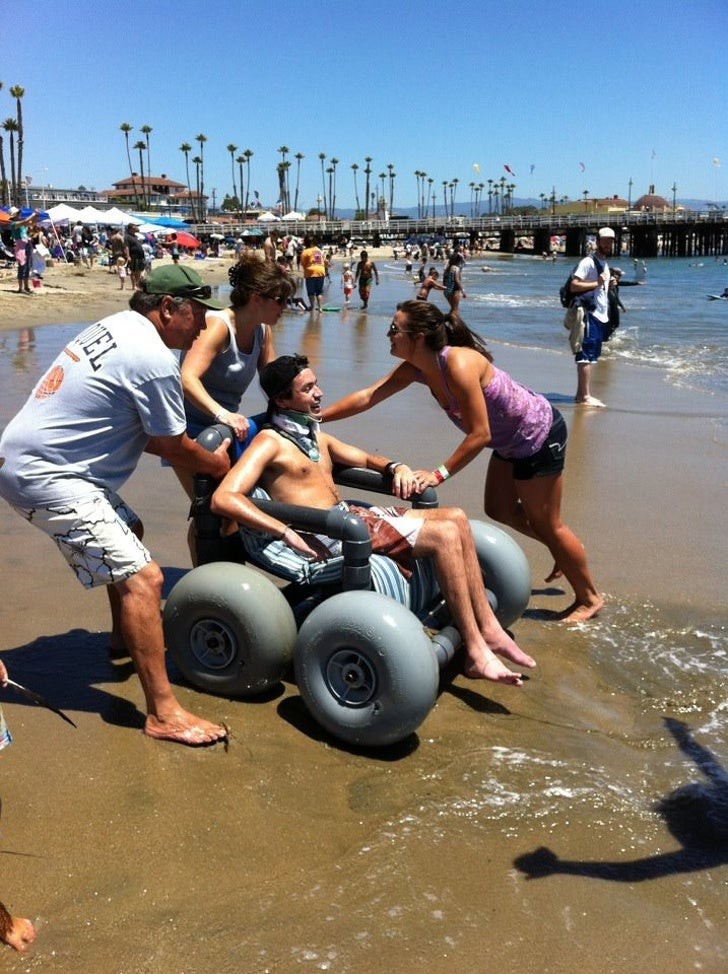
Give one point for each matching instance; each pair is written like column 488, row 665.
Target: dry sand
column 288, row 853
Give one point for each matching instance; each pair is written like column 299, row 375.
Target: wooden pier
column 642, row 235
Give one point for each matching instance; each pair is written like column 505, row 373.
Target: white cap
column 606, row 232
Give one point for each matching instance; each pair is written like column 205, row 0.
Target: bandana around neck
column 299, row 428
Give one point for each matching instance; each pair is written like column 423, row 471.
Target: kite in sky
column 582, row 166
column 508, row 169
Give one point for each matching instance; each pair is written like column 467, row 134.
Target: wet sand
column 289, row 852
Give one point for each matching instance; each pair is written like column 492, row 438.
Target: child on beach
column 428, row 284
column 347, row 283
column 121, row 271
column 16, row 931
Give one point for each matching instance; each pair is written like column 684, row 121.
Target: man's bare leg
column 141, row 628
column 583, row 386
column 16, row 931
column 439, row 538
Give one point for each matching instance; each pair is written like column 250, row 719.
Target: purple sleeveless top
column 519, row 419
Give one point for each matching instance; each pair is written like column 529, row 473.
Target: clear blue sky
column 439, row 88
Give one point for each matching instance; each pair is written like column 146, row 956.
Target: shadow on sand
column 696, row 815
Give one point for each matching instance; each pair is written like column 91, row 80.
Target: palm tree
column 355, row 169
column 232, row 149
column 17, row 91
column 444, row 195
column 334, row 164
column 299, row 156
column 423, row 176
column 146, row 129
column 367, row 173
column 382, row 177
column 281, row 172
column 197, row 162
column 140, row 146
column 3, row 182
column 392, row 174
column 329, row 173
column 248, row 153
column 241, row 160
column 430, row 181
column 419, row 175
column 126, row 129
column 284, row 150
column 186, row 148
column 453, row 191
column 10, row 125
column 322, row 158
column 202, row 139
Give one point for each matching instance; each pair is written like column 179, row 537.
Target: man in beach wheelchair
column 366, row 668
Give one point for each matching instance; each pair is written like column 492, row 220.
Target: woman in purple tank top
column 524, row 483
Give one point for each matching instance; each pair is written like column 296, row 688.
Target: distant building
column 651, row 203
column 160, row 192
column 42, row 197
column 610, row 204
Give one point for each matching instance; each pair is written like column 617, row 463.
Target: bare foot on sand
column 590, row 401
column 489, row 667
column 182, row 727
column 580, row 613
column 16, row 931
column 554, row 574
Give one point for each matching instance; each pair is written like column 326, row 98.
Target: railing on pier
column 642, row 234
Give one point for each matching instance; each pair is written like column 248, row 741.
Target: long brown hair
column 424, row 318
column 253, row 275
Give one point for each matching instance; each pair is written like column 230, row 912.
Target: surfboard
column 718, row 297
column 331, row 307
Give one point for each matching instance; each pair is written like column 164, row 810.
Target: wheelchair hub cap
column 351, row 678
column 213, row 644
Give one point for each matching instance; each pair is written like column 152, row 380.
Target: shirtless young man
column 365, row 270
column 293, row 462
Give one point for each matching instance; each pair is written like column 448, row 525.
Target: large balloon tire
column 365, row 669
column 229, row 630
column 505, row 571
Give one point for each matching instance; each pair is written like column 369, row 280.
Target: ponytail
column 459, row 334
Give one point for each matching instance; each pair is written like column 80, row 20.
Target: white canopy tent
column 294, row 216
column 268, row 217
column 90, row 216
column 116, row 217
column 63, row 213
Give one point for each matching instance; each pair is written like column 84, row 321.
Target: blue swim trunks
column 591, row 346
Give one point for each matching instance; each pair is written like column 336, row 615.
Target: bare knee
column 146, row 583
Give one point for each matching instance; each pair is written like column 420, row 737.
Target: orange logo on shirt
column 51, row 383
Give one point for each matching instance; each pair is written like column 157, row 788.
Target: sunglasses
column 193, row 291
column 277, row 298
column 393, row 330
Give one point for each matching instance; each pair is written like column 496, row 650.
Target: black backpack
column 565, row 294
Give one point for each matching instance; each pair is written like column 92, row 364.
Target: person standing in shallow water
column 591, row 283
column 524, row 483
column 365, row 270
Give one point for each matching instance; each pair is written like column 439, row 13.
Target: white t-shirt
column 587, row 271
column 88, row 420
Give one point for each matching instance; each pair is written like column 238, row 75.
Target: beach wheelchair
column 366, row 645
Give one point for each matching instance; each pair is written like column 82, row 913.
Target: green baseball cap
column 181, row 282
